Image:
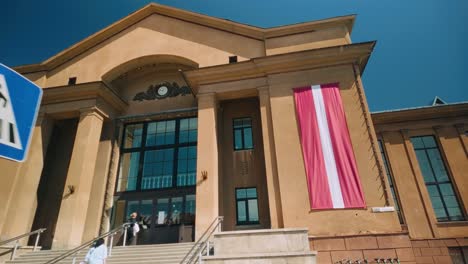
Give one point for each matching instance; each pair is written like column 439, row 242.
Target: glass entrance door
column 145, row 220
column 167, row 224
column 162, row 220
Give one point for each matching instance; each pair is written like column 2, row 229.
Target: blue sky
column 421, row 47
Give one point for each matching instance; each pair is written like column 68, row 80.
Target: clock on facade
column 162, row 91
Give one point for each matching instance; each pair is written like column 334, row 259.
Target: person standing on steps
column 133, row 229
column 97, row 254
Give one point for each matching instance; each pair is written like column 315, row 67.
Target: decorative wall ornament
column 161, row 91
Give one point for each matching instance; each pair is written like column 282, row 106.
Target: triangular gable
column 438, row 101
column 216, row 23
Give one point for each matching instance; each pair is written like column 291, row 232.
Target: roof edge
column 418, row 107
column 189, row 16
column 415, row 113
column 297, row 28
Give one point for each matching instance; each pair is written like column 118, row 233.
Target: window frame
column 463, row 253
column 143, row 148
column 388, row 168
column 246, row 200
column 242, row 133
column 451, row 180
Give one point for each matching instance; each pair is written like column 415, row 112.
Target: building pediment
column 157, row 44
column 174, row 22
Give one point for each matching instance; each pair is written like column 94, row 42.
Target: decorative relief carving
column 161, row 91
column 244, row 168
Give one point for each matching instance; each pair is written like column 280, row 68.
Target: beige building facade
column 183, row 117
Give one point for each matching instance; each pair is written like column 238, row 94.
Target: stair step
column 156, row 246
column 141, row 254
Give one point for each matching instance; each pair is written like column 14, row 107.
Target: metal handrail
column 16, row 239
column 203, row 242
column 87, row 244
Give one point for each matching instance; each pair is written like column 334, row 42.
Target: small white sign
column 383, row 209
column 161, row 217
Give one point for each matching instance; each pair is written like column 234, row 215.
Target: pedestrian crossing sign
column 19, row 104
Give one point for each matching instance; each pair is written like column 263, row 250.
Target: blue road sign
column 20, row 100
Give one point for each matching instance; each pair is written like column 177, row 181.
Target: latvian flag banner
column 332, row 175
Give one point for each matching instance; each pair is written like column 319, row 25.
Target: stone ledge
column 262, row 255
column 262, row 231
column 19, row 247
column 357, row 235
column 265, row 241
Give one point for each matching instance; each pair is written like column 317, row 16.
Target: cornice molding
column 281, row 63
column 92, row 90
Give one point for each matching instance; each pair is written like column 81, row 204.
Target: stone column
column 461, row 128
column 112, row 179
column 9, row 175
column 98, row 191
column 207, row 197
column 22, row 202
column 274, row 196
column 73, row 210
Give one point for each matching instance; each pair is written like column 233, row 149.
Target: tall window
column 158, row 154
column 390, row 182
column 459, row 255
column 243, row 133
column 439, row 185
column 247, row 206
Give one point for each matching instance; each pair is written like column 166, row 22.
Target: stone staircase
column 154, row 254
column 269, row 246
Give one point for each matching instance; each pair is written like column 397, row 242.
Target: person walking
column 97, row 254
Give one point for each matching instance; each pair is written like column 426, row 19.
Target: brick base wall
column 334, row 249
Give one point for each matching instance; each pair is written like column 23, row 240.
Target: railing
column 16, row 240
column 202, row 246
column 74, row 252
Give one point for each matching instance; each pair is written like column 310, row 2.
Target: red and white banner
column 332, row 175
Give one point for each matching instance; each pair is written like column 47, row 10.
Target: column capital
column 405, row 133
column 437, row 129
column 264, row 88
column 263, row 91
column 459, row 126
column 93, row 111
column 207, row 100
column 206, row 95
column 40, row 117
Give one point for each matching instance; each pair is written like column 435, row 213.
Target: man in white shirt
column 97, row 254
